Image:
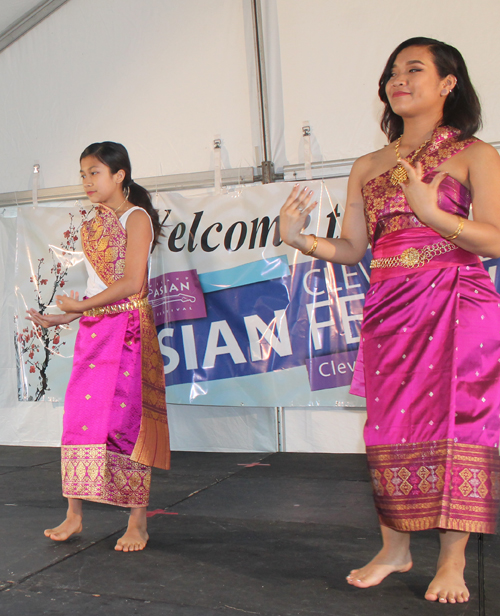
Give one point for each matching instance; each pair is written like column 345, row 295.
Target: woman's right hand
column 293, row 217
column 50, row 320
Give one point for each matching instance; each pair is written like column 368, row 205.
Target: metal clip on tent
column 306, row 135
column 36, row 175
column 217, row 166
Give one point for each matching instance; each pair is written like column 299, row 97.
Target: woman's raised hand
column 68, row 303
column 422, row 197
column 293, row 216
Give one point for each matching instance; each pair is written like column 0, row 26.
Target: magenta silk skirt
column 102, row 413
column 429, row 366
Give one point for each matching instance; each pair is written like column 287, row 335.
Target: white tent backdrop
column 165, row 78
column 333, row 53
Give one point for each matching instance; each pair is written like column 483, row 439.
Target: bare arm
column 139, row 237
column 51, row 320
column 480, row 236
column 351, row 246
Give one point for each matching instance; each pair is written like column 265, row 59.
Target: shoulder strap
column 443, row 146
column 104, row 243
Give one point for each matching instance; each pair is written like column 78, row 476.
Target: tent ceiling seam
column 28, row 21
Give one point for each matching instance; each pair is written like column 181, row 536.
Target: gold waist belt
column 115, row 308
column 414, row 257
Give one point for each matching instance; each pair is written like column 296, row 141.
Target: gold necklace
column 399, row 174
column 120, row 207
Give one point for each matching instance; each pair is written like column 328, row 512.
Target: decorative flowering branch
column 37, row 345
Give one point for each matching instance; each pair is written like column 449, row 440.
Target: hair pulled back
column 115, row 156
column 461, row 110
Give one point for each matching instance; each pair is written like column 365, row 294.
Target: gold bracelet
column 453, row 236
column 313, row 247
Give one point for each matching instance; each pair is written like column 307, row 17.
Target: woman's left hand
column 69, row 303
column 422, row 197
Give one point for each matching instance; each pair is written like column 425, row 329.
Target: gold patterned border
column 91, row 472
column 439, row 484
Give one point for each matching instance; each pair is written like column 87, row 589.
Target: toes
column 125, row 546
column 353, row 576
column 446, row 597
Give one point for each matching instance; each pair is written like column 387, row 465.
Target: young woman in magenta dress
column 429, row 359
column 115, row 422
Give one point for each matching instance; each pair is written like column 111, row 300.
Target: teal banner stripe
column 258, row 271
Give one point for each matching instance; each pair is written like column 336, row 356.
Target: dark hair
column 115, row 156
column 461, row 110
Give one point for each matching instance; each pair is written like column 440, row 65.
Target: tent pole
column 267, row 164
column 480, row 574
column 280, row 428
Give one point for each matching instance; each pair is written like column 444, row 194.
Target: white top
column 94, row 284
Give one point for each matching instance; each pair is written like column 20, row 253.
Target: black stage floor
column 274, row 539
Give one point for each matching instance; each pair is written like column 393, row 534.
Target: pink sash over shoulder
column 429, row 363
column 115, row 420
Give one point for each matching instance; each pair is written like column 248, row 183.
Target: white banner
column 242, row 319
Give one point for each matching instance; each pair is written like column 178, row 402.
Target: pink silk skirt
column 429, row 366
column 102, row 413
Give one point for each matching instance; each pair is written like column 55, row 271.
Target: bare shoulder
column 139, row 213
column 373, row 164
column 138, row 219
column 139, row 223
column 480, row 151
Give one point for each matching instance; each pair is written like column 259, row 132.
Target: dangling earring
column 126, row 193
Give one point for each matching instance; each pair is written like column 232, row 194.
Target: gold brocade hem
column 91, row 472
column 440, row 522
column 438, row 484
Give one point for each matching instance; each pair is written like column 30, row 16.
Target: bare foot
column 379, row 568
column 72, row 525
column 449, row 585
column 136, row 536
